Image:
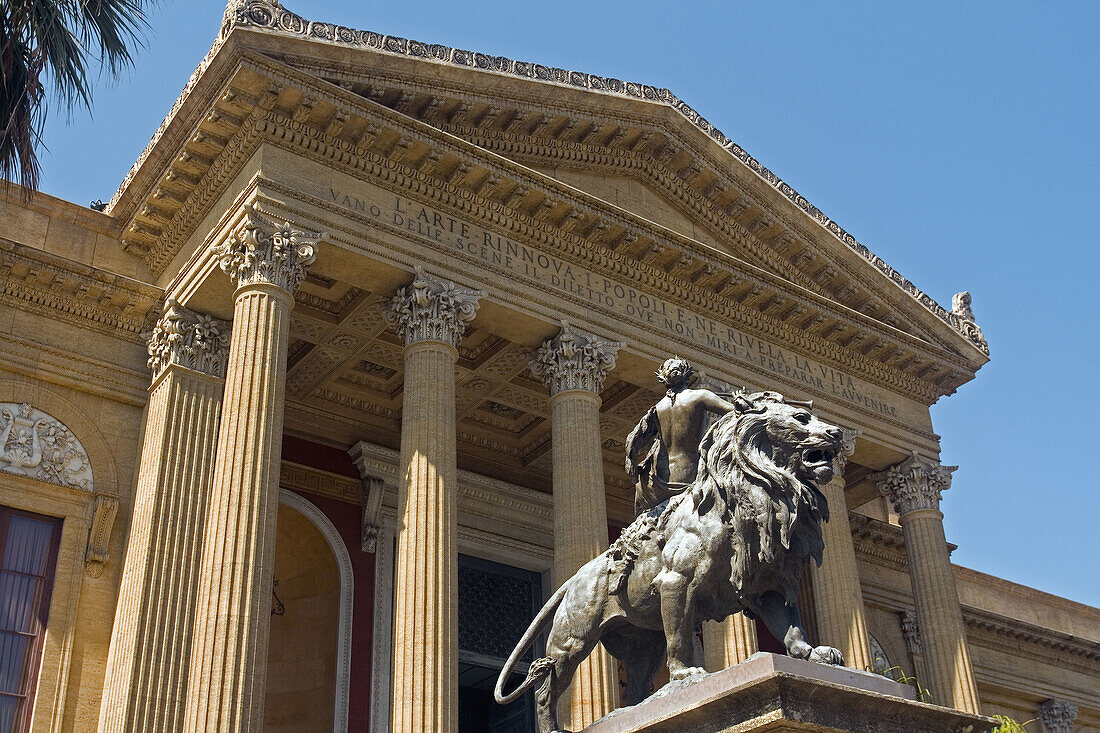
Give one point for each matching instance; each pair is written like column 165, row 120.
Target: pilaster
column 914, row 486
column 431, row 314
column 573, row 365
column 229, row 654
column 147, row 667
column 841, row 617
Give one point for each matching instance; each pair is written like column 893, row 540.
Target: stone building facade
column 299, row 431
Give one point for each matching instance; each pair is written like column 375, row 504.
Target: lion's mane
column 776, row 518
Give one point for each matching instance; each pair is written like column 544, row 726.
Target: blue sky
column 956, row 140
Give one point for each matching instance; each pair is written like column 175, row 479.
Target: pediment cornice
column 261, row 100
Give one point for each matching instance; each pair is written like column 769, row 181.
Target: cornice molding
column 77, row 294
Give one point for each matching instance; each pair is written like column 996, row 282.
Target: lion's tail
column 540, row 667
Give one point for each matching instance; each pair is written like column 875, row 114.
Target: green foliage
column 58, row 40
column 897, row 674
column 1008, row 725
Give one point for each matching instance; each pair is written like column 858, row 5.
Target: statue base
column 779, row 694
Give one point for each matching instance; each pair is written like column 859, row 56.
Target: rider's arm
column 716, row 404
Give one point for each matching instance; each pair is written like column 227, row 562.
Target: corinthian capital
column 574, row 359
column 1058, row 715
column 431, row 309
column 263, row 251
column 847, row 448
column 915, row 483
column 188, row 339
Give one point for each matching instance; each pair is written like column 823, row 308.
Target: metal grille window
column 28, row 556
column 495, row 605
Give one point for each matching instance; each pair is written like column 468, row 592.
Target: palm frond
column 56, row 39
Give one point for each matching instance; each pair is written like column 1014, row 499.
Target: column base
column 775, row 693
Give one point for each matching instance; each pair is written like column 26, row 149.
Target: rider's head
column 676, row 374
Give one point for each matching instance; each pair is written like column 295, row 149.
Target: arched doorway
column 308, row 660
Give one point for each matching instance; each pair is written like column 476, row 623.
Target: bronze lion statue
column 737, row 539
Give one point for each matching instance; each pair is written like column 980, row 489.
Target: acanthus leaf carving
column 1058, row 716
column 910, row 631
column 432, row 309
column 915, row 483
column 574, row 360
column 37, row 445
column 266, row 252
column 192, row 340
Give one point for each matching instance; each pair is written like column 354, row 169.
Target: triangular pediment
column 549, row 118
column 618, row 169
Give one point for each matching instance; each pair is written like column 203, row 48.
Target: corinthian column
column 573, row 366
column 729, row 642
column 914, row 486
column 1058, row 716
column 229, row 653
column 431, row 314
column 146, row 680
column 841, row 620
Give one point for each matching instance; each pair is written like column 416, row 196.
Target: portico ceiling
column 345, row 362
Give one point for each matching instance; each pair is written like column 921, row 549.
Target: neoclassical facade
column 300, row 431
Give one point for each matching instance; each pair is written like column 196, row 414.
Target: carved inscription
column 427, row 223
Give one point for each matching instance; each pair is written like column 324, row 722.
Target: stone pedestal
column 778, row 694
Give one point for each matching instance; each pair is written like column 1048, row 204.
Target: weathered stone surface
column 770, row 692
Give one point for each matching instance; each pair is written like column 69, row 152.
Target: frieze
column 39, row 446
column 270, row 14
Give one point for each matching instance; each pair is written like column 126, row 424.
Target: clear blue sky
column 956, row 140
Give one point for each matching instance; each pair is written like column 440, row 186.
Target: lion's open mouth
column 817, row 456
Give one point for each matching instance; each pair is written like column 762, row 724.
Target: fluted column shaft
column 729, row 642
column 841, row 617
column 915, row 486
column 146, row 681
column 432, row 315
column 229, row 653
column 574, row 365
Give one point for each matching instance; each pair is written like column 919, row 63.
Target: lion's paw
column 686, row 672
column 827, row 655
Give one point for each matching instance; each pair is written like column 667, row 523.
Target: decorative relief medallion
column 432, row 309
column 574, row 359
column 263, row 251
column 188, row 339
column 915, row 483
column 35, row 444
column 1058, row 715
